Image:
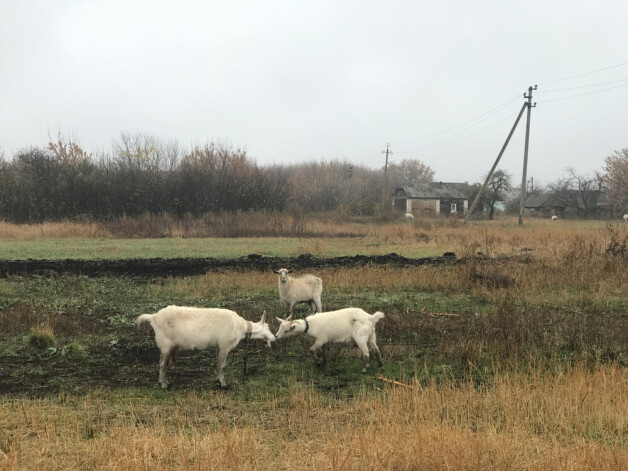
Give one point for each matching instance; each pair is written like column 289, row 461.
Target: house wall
column 462, row 206
column 429, row 207
column 426, row 207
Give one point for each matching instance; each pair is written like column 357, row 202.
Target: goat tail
column 377, row 316
column 143, row 318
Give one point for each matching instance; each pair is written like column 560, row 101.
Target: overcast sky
column 294, row 81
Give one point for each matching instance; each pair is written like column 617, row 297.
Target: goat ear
column 289, row 318
column 276, row 271
column 279, row 319
column 263, row 319
column 289, row 271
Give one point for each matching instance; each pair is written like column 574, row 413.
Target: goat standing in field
column 304, row 289
column 191, row 328
column 344, row 325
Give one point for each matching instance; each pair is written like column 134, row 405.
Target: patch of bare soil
column 161, row 267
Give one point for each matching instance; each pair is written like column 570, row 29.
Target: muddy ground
column 124, row 357
column 160, row 267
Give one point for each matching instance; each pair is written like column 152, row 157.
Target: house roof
column 542, row 201
column 433, row 190
column 563, row 199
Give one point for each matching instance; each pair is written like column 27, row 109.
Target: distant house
column 585, row 203
column 432, row 198
column 550, row 204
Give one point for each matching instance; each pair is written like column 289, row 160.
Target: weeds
column 570, row 420
column 42, row 337
column 616, row 248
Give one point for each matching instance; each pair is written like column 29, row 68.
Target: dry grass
column 42, row 336
column 579, row 270
column 576, row 419
column 488, row 236
column 63, row 229
column 539, row 238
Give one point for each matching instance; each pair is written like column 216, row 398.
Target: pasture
column 477, row 374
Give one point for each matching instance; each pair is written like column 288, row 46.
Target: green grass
column 426, row 334
column 87, row 249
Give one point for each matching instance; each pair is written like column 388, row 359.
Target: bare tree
column 581, row 193
column 497, row 190
column 616, row 178
column 409, row 172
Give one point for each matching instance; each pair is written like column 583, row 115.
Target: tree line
column 143, row 174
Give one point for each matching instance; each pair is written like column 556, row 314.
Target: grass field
column 413, row 239
column 87, row 249
column 475, row 376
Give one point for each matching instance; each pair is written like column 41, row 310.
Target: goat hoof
column 164, row 385
column 363, row 370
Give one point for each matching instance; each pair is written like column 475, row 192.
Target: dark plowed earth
column 161, row 267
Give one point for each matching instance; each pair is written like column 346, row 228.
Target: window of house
column 453, row 207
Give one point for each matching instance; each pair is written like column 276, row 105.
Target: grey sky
column 298, row 81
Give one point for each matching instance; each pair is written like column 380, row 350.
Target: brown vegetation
column 567, row 421
column 554, row 398
column 539, row 238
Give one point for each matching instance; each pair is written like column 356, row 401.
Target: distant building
column 550, row 204
column 581, row 203
column 432, row 198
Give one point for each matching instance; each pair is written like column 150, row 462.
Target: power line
column 482, row 117
column 448, row 140
column 582, row 86
column 585, row 93
column 485, row 115
column 585, row 73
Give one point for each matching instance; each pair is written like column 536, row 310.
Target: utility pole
column 499, row 156
column 525, row 153
column 387, row 152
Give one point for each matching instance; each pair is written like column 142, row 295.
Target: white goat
column 625, row 217
column 554, row 218
column 191, row 328
column 408, row 216
column 339, row 326
column 304, row 289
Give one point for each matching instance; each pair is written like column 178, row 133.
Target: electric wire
column 479, row 118
column 581, row 86
column 466, row 126
column 581, row 94
column 449, row 140
column 585, row 73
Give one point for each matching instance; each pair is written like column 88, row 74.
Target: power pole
column 525, row 153
column 499, row 156
column 387, row 152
